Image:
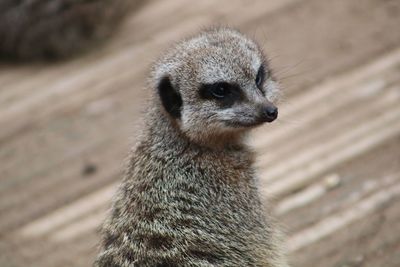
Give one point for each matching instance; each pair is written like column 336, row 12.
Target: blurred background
column 331, row 161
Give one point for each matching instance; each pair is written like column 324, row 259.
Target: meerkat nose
column 270, row 113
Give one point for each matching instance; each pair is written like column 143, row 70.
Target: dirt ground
column 330, row 165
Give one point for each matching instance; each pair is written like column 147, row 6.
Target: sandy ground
column 332, row 160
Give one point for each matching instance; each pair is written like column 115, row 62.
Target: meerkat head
column 216, row 85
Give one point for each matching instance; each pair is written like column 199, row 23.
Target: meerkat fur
column 189, row 196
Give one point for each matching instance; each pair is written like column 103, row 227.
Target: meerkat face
column 217, row 84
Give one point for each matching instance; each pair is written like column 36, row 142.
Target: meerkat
column 56, row 29
column 189, row 196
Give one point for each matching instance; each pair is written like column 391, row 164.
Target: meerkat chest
column 226, row 194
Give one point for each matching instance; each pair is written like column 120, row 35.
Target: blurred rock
column 56, row 29
column 89, row 169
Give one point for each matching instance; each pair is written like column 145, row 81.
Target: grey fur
column 189, row 196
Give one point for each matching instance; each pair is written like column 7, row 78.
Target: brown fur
column 188, row 200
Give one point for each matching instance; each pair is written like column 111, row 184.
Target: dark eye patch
column 260, row 77
column 224, row 93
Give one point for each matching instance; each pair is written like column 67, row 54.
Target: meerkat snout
column 269, row 113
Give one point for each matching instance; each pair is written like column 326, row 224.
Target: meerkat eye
column 260, row 76
column 224, row 93
column 219, row 90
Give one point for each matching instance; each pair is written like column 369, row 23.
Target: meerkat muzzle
column 269, row 113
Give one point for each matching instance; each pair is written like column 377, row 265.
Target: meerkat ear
column 170, row 98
